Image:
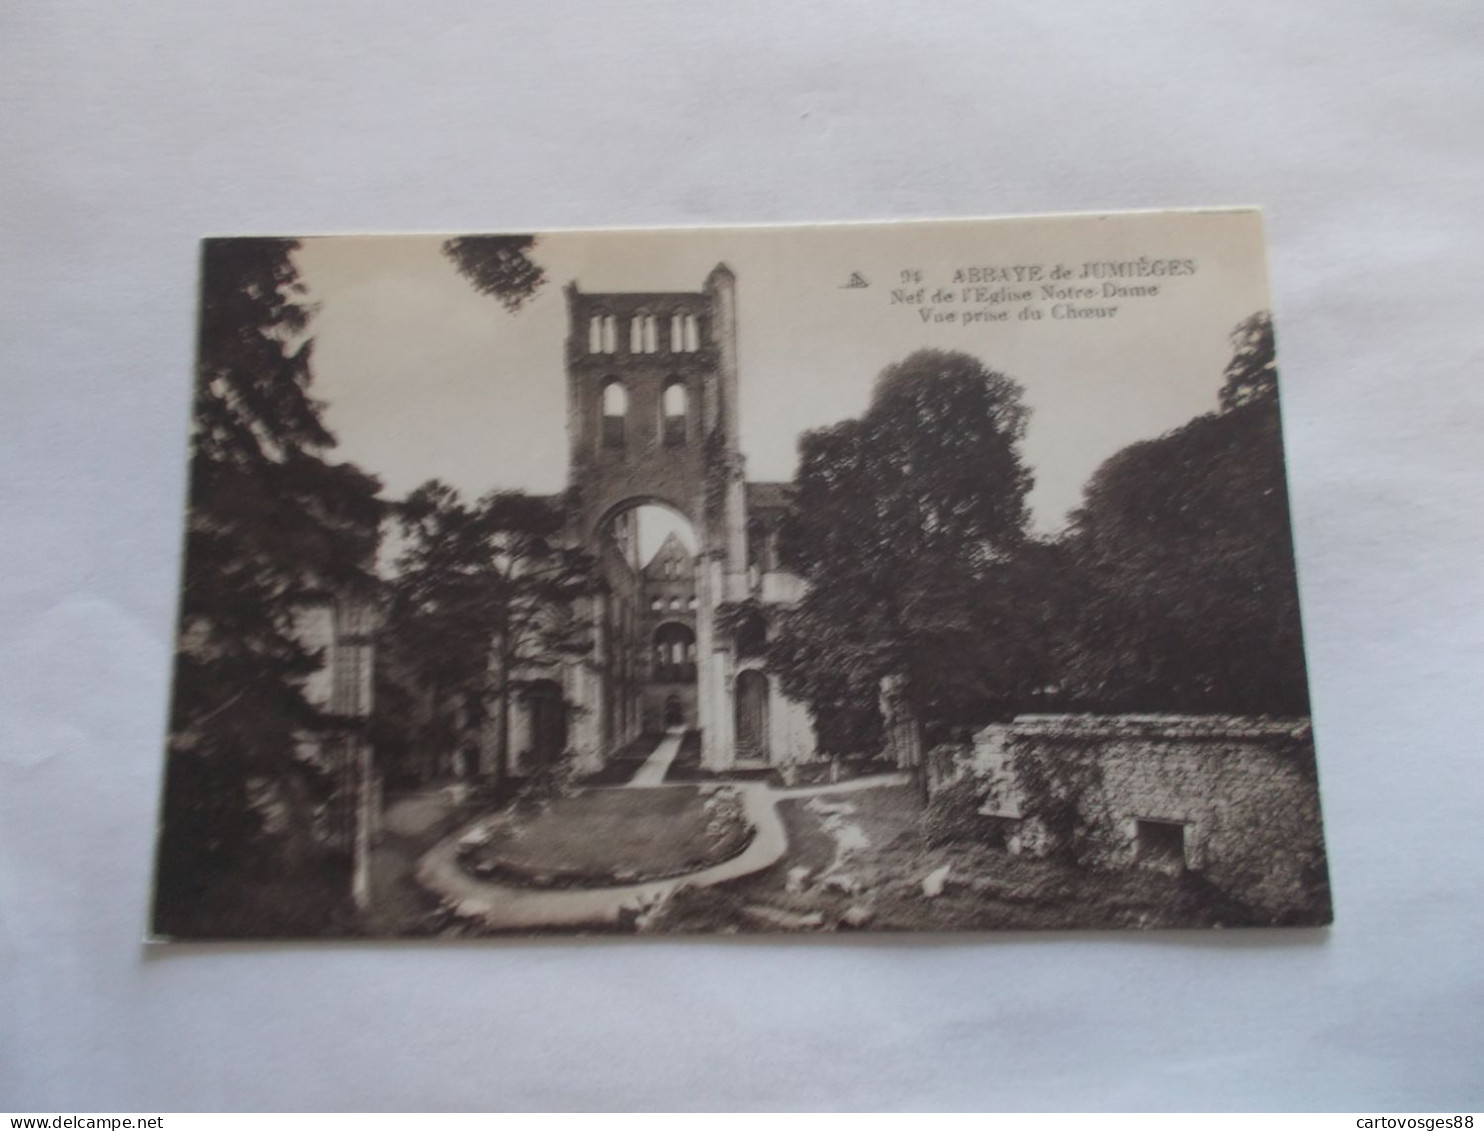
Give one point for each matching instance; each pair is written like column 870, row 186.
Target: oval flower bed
column 613, row 837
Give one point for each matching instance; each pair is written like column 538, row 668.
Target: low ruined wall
column 1233, row 799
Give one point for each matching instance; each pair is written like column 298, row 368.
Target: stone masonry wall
column 1243, row 793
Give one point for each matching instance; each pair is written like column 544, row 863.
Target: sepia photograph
column 906, row 577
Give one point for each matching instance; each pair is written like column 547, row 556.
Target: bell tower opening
column 647, row 558
column 652, row 430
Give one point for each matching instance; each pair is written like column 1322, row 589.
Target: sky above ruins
column 423, row 377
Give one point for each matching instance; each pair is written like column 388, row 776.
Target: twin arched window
column 644, row 334
column 685, row 333
column 674, row 408
column 602, row 334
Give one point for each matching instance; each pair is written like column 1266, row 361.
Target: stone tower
column 652, row 419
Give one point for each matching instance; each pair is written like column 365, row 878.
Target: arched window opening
column 546, row 717
column 610, row 334
column 692, row 334
column 752, row 635
column 677, row 333
column 595, row 334
column 756, row 543
column 644, row 333
column 615, row 408
column 757, row 552
column 751, row 701
column 674, row 654
column 675, row 404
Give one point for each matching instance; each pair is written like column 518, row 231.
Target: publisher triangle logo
column 856, row 280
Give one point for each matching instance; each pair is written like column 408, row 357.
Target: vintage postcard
column 917, row 576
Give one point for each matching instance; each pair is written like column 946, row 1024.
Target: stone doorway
column 752, row 715
column 548, row 721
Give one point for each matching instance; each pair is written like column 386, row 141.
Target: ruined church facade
column 652, row 419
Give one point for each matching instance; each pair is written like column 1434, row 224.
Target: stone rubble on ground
column 646, row 907
column 858, row 915
column 785, row 920
column 933, row 882
column 842, row 882
column 797, row 881
column 826, row 808
column 850, row 839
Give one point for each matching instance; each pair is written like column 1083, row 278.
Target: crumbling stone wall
column 1235, row 800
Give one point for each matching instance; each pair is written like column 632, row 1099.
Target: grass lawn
column 613, row 836
column 986, row 888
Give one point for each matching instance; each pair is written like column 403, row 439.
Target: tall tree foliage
column 272, row 524
column 485, row 597
column 499, row 266
column 1251, row 375
column 437, row 662
column 905, row 522
column 1185, row 585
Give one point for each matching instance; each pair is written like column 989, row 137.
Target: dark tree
column 1185, row 589
column 485, row 599
column 906, row 522
column 432, row 664
column 498, row 265
column 272, row 527
column 1252, row 373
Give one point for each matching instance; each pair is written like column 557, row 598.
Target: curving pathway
column 504, row 907
column 657, row 765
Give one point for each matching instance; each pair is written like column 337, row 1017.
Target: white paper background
column 127, row 131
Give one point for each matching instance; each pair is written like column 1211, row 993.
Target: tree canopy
column 1184, row 580
column 905, row 522
column 484, row 596
column 500, row 266
column 1173, row 588
column 1252, row 373
column 272, row 525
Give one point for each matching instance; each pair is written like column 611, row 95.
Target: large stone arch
column 605, row 510
column 695, row 471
